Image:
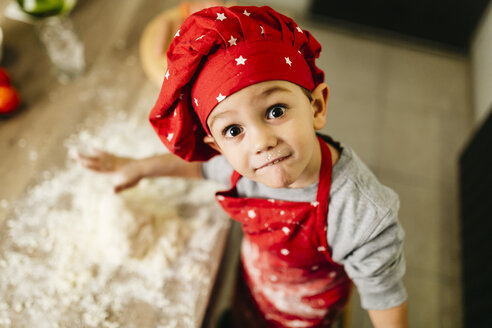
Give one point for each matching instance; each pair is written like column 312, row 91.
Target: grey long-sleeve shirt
column 363, row 232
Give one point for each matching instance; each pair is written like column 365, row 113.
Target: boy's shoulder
column 359, row 202
column 353, row 180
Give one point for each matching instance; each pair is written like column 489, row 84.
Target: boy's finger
column 94, row 154
column 120, row 188
column 104, row 164
column 88, row 157
column 128, row 184
column 99, row 152
column 94, row 167
column 87, row 161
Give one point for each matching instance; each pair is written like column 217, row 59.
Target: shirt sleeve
column 378, row 265
column 367, row 239
column 217, row 169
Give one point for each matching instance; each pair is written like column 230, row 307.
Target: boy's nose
column 263, row 139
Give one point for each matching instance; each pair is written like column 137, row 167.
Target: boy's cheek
column 238, row 162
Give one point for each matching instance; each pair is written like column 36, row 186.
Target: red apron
column 285, row 255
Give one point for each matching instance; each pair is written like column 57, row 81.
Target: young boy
column 242, row 84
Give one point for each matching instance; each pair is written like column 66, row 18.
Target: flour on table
column 73, row 254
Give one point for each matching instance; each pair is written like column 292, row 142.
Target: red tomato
column 4, row 77
column 9, row 99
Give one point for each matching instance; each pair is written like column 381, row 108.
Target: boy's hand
column 124, row 170
column 396, row 317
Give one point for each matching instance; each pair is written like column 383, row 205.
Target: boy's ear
column 210, row 141
column 320, row 96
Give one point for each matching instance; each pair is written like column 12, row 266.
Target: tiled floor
column 406, row 109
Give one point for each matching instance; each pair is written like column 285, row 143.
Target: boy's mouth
column 275, row 161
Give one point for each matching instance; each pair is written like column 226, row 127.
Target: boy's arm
column 370, row 246
column 128, row 171
column 396, row 317
column 167, row 165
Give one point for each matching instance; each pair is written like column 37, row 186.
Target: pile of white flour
column 74, row 254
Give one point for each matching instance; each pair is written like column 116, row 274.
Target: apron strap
column 323, row 197
column 235, row 178
column 324, row 182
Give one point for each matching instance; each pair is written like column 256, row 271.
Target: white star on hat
column 287, row 60
column 221, row 16
column 246, row 13
column 177, row 33
column 262, row 30
column 299, row 29
column 196, row 101
column 220, row 97
column 240, row 60
column 167, row 75
column 232, row 41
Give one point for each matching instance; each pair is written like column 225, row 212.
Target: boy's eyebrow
column 265, row 93
column 271, row 90
column 212, row 119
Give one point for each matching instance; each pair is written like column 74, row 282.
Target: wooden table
column 31, row 142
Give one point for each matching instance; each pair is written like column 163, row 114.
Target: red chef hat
column 218, row 51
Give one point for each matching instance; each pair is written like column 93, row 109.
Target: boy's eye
column 275, row 111
column 232, row 131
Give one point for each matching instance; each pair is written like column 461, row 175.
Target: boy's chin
column 275, row 181
column 276, row 184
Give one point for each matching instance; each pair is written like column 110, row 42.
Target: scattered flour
column 73, row 254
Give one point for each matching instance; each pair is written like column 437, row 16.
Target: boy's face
column 267, row 133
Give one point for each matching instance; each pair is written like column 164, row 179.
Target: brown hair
column 307, row 93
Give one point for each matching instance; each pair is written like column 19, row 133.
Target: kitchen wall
column 481, row 65
column 292, row 7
